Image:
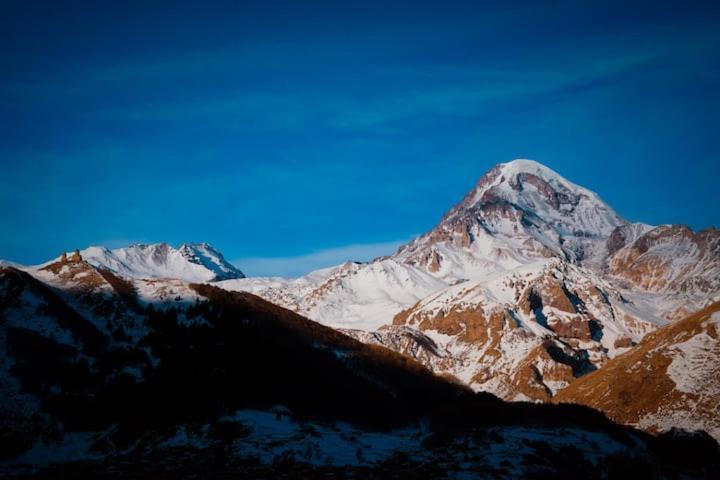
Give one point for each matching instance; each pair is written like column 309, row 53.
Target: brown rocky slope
column 671, row 379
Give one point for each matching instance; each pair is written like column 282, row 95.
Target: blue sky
column 296, row 135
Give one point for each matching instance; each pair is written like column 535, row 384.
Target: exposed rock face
column 678, row 267
column 625, row 235
column 525, row 335
column 76, row 257
column 518, row 211
column 671, row 379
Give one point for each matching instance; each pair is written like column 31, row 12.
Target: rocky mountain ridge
column 518, row 212
column 95, row 363
column 527, row 285
column 191, row 262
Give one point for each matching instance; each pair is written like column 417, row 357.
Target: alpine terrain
column 104, row 376
column 670, row 380
column 462, row 354
column 526, row 285
column 192, row 262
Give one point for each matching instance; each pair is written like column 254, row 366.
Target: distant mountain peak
column 192, row 262
column 518, row 211
column 539, row 190
column 527, row 165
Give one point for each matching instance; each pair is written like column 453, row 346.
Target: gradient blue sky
column 296, row 135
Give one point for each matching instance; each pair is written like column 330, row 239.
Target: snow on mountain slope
column 353, row 295
column 524, row 334
column 672, row 379
column 192, row 262
column 519, row 211
column 670, row 269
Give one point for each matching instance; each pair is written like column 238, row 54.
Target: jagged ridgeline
column 527, row 284
column 151, row 359
column 117, row 375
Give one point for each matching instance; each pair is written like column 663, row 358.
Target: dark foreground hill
column 103, row 377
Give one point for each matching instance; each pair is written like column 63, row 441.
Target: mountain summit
column 519, row 211
column 191, row 262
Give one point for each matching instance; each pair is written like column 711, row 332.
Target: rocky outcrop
column 681, row 268
column 557, row 323
column 671, row 379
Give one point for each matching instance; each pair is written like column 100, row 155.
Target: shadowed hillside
column 202, row 377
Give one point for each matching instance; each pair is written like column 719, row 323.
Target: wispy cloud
column 437, row 91
column 302, row 264
column 434, row 90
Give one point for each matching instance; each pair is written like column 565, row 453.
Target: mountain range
column 190, row 262
column 110, row 377
column 530, row 289
column 527, row 284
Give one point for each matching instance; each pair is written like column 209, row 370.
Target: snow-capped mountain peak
column 519, row 211
column 528, row 283
column 535, row 188
column 192, row 262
